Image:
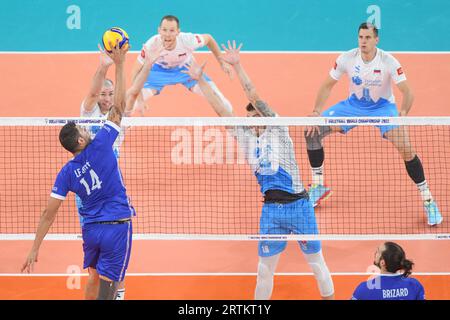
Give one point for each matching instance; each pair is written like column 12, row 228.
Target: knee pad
column 107, row 290
column 321, row 272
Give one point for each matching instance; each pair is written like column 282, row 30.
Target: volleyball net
column 192, row 178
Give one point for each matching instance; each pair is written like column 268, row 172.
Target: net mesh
column 189, row 178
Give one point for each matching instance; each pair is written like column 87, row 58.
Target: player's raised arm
column 231, row 57
column 97, row 82
column 118, row 56
column 150, row 57
column 45, row 222
column 215, row 49
column 196, row 72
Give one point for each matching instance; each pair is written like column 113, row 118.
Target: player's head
column 251, row 111
column 169, row 28
column 106, row 97
column 367, row 37
column 74, row 138
column 391, row 257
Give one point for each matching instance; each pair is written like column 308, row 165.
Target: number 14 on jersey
column 95, row 182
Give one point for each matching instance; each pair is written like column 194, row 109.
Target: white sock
column 120, row 294
column 264, row 281
column 317, row 176
column 425, row 191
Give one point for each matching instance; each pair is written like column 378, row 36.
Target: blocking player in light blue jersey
column 94, row 175
column 97, row 104
column 390, row 284
column 270, row 153
column 370, row 71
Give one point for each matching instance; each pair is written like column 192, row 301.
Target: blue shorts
column 348, row 108
column 107, row 248
column 160, row 77
column 293, row 218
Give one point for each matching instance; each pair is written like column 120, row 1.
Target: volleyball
column 112, row 35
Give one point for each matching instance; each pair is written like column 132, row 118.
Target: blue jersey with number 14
column 94, row 175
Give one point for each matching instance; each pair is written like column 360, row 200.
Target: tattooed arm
column 231, row 56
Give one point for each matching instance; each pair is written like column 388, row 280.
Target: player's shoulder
column 347, row 56
column 152, row 39
column 412, row 281
column 353, row 53
column 386, row 57
column 189, row 37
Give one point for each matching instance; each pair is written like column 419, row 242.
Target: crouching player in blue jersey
column 94, row 175
column 390, row 284
column 270, row 153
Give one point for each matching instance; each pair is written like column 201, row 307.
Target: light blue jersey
column 272, row 158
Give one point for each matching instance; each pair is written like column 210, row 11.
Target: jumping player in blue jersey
column 370, row 71
column 390, row 284
column 270, row 153
column 97, row 104
column 94, row 175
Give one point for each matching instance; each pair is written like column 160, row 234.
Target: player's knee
column 107, row 290
column 321, row 273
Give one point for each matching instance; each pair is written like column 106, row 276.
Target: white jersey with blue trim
column 390, row 287
column 370, row 83
column 96, row 113
column 181, row 55
column 94, row 176
column 271, row 157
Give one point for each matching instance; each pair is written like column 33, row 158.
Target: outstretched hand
column 194, row 70
column 117, row 54
column 105, row 60
column 28, row 265
column 311, row 131
column 231, row 55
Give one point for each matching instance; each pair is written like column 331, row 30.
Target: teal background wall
column 285, row 25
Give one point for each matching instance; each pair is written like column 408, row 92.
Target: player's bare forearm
column 322, row 97
column 118, row 108
column 408, row 98
column 95, row 88
column 139, row 80
column 213, row 47
column 213, row 99
column 46, row 221
column 246, row 83
column 119, row 95
column 264, row 109
column 115, row 115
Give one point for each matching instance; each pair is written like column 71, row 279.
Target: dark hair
column 367, row 25
column 250, row 108
column 68, row 136
column 170, row 18
column 394, row 257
